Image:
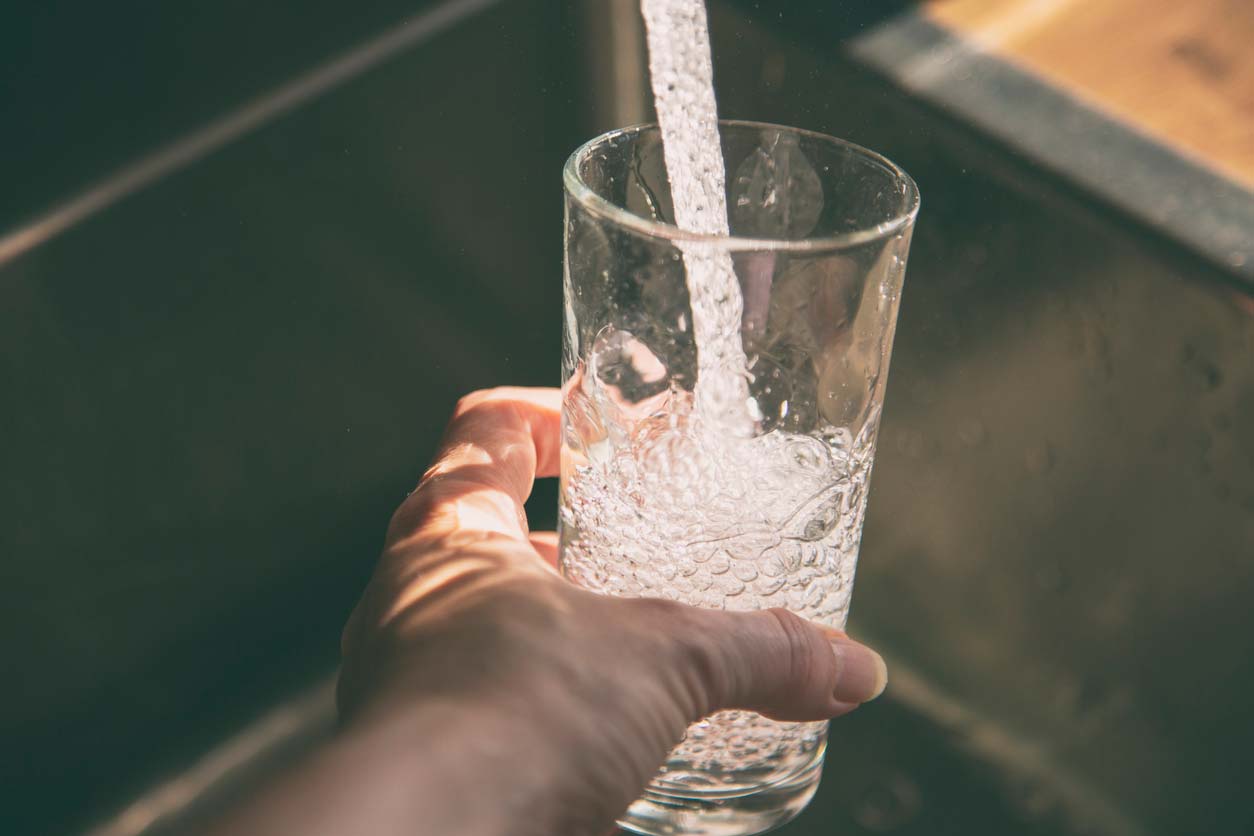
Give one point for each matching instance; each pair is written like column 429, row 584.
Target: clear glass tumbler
column 662, row 496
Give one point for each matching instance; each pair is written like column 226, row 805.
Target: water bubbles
column 814, row 596
column 776, row 192
column 847, row 383
column 808, row 455
column 735, row 742
column 583, row 425
column 668, row 459
column 717, row 522
column 741, row 517
column 823, row 521
column 768, row 585
column 625, row 367
column 771, row 387
column 790, row 558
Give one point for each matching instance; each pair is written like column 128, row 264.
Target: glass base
column 745, row 813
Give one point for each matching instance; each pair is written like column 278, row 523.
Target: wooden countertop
column 1179, row 70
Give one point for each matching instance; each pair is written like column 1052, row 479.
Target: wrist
column 463, row 768
column 436, row 760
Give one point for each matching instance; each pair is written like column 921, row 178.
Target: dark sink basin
column 223, row 375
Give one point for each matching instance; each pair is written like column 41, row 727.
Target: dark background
column 214, row 392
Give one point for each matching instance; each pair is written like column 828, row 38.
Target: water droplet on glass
column 627, row 368
column 777, row 193
column 769, row 585
column 823, row 521
column 771, row 388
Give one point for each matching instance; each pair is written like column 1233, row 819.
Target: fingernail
column 863, row 674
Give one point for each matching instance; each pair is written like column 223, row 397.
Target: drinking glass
column 662, row 496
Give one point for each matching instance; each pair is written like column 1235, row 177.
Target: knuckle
column 479, row 397
column 682, row 638
column 665, row 621
column 470, row 400
column 801, row 662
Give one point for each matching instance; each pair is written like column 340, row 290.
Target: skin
column 483, row 695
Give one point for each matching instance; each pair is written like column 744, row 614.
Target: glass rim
column 598, row 205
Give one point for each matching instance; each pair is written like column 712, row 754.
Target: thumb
column 776, row 663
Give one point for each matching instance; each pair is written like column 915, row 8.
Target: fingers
column 777, row 663
column 497, row 443
column 545, row 544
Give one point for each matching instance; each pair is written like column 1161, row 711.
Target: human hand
column 544, row 708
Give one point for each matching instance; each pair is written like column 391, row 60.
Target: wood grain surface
column 1180, row 71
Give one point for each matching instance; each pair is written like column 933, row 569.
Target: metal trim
column 1174, row 194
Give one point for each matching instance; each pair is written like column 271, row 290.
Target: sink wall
column 219, row 386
